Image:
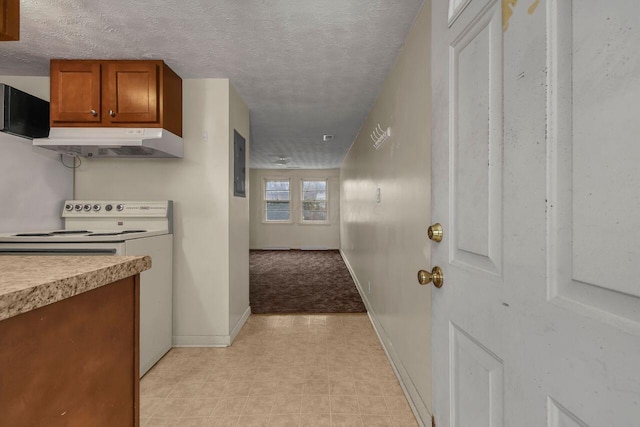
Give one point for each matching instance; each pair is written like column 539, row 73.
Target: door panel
column 593, row 182
column 476, row 143
column 562, row 417
column 476, row 382
column 544, row 93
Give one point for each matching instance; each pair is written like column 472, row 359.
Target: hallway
column 301, row 282
column 282, row 370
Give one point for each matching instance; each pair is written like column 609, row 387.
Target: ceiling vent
column 327, row 137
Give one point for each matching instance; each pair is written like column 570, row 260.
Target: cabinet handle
column 112, row 113
column 94, row 113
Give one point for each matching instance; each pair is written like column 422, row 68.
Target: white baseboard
column 201, row 340
column 420, row 410
column 212, row 340
column 302, row 248
column 159, row 355
column 236, row 329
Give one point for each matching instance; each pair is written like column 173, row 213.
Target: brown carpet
column 301, row 282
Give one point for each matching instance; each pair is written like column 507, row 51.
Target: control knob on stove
column 120, row 207
column 108, row 208
column 68, row 207
column 78, row 208
column 87, row 207
column 97, row 207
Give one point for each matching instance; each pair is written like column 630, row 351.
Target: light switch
column 378, row 195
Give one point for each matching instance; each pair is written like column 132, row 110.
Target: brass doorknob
column 435, row 232
column 436, row 276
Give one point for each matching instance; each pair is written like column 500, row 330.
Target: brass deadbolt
column 436, row 276
column 435, row 232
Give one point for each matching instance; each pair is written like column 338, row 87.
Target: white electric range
column 97, row 227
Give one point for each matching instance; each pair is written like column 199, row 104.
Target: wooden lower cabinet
column 74, row 362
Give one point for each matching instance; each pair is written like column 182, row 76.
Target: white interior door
column 536, row 180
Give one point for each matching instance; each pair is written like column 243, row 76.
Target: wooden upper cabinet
column 75, row 92
column 131, row 93
column 115, row 94
column 9, row 20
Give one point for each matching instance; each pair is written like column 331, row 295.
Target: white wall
column 33, row 182
column 385, row 243
column 199, row 186
column 238, row 220
column 294, row 235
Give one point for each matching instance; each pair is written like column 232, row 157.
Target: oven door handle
column 61, row 251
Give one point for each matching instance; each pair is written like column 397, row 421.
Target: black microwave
column 22, row 114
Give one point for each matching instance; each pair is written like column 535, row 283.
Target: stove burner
column 70, row 232
column 33, row 235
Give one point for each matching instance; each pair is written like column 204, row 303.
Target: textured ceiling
column 304, row 67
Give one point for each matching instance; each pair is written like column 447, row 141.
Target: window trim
column 301, row 219
column 264, row 201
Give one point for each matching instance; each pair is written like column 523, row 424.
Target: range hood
column 112, row 142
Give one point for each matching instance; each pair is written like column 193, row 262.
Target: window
column 277, row 200
column 314, row 200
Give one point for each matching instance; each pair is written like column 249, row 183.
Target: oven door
column 75, row 248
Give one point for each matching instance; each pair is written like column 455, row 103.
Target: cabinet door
column 9, row 20
column 74, row 362
column 131, row 92
column 75, row 92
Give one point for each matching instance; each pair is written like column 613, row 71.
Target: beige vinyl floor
column 282, row 370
